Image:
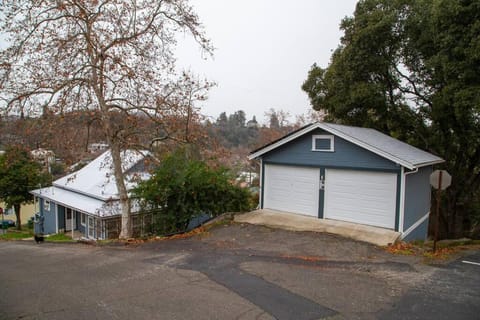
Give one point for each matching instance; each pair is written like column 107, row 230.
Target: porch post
column 71, row 222
column 56, row 217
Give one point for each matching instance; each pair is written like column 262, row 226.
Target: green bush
column 182, row 188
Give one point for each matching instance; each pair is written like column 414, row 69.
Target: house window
column 322, row 143
column 46, row 205
column 82, row 219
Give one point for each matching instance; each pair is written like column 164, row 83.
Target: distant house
column 352, row 174
column 44, row 157
column 26, row 212
column 86, row 201
column 252, row 123
column 247, row 176
column 97, row 147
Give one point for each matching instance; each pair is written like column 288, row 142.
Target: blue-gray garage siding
column 417, row 202
column 346, row 155
column 419, row 233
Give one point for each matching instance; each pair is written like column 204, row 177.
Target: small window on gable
column 322, row 143
column 46, row 205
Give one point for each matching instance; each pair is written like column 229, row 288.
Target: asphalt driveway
column 232, row 272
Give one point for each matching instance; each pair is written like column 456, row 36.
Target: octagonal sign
column 435, row 179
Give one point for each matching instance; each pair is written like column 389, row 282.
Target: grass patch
column 59, row 237
column 13, row 234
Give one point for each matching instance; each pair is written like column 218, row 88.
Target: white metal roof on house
column 97, row 180
column 83, row 203
column 370, row 139
column 73, row 200
column 93, row 189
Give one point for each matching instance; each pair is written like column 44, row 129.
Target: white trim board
column 401, row 215
column 415, row 225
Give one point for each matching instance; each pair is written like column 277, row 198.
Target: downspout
column 403, row 177
column 260, row 184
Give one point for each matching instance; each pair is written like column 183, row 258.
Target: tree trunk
column 17, row 207
column 126, row 230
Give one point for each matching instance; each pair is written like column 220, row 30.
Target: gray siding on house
column 417, row 196
column 420, row 232
column 345, row 155
column 49, row 221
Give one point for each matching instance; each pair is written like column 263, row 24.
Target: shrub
column 182, row 188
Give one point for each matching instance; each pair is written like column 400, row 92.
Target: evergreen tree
column 19, row 174
column 410, row 68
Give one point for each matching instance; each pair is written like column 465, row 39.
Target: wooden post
column 437, row 223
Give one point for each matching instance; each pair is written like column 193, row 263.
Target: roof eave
column 429, row 163
column 46, row 196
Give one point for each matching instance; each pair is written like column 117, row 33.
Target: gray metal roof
column 370, row 139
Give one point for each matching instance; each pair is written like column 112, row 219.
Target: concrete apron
column 297, row 222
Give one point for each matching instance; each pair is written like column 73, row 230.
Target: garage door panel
column 293, row 189
column 361, row 197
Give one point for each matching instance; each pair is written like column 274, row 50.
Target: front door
column 70, row 219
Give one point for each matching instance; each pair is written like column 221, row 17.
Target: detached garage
column 345, row 173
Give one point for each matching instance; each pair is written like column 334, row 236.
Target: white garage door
column 361, row 197
column 292, row 189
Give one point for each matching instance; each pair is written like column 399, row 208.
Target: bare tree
column 309, row 117
column 112, row 56
column 277, row 118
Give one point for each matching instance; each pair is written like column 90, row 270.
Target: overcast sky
column 264, row 49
